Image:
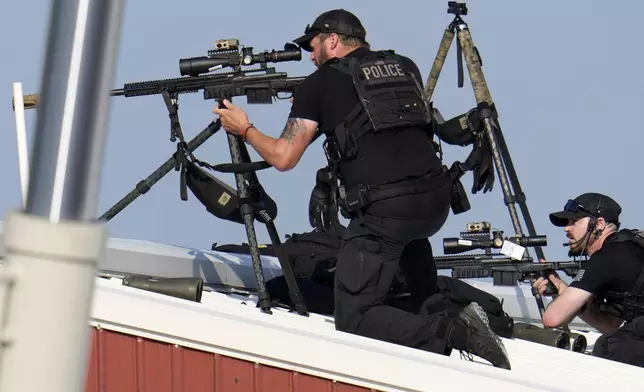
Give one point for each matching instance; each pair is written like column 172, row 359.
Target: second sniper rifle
column 259, row 85
column 504, row 269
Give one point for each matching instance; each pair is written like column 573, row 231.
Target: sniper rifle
column 259, row 85
column 511, row 265
column 249, row 202
column 506, row 268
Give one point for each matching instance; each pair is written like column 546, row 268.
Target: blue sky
column 564, row 76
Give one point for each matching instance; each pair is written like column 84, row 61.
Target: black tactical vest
column 630, row 305
column 390, row 98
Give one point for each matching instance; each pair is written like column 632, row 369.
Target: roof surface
column 231, row 325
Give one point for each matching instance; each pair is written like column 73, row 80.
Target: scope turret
column 226, row 53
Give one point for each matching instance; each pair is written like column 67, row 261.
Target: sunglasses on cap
column 573, row 206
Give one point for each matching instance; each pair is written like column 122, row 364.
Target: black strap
column 347, row 141
column 626, row 305
column 408, row 188
column 637, row 289
column 361, row 196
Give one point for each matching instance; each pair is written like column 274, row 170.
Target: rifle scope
column 459, row 244
column 226, row 54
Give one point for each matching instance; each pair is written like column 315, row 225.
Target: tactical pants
column 626, row 345
column 369, row 260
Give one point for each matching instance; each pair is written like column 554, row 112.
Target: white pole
column 21, row 136
column 53, row 248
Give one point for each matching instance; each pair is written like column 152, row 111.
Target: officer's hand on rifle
column 320, row 203
column 482, row 166
column 541, row 283
column 233, row 118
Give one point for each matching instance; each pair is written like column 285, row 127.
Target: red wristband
column 243, row 133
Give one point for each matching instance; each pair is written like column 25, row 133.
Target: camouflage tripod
column 489, row 118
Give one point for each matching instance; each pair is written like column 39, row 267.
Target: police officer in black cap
column 605, row 292
column 372, row 108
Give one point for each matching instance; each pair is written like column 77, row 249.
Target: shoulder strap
column 344, row 65
column 633, row 235
column 346, row 145
column 639, row 283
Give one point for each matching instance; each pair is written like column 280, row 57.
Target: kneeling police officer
column 609, row 290
column 379, row 144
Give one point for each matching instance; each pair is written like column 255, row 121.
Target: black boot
column 470, row 332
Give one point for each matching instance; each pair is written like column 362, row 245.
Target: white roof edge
column 127, row 256
column 221, row 324
column 254, row 338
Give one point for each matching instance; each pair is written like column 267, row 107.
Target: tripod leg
column 519, row 196
column 439, row 61
column 246, row 210
column 145, row 185
column 481, row 93
column 484, row 100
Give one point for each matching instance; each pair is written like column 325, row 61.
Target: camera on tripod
column 479, row 235
column 456, row 8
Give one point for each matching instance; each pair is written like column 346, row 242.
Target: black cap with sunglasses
column 338, row 21
column 588, row 205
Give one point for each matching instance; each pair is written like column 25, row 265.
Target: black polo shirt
column 327, row 96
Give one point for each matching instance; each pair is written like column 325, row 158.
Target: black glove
column 482, row 166
column 320, row 203
column 458, row 131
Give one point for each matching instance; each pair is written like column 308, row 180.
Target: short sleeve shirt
column 327, row 96
column 615, row 267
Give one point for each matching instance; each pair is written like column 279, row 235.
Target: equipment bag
column 312, row 256
column 223, row 201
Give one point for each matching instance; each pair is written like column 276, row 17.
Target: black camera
column 456, row 8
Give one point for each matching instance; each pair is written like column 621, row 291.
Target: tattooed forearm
column 293, row 126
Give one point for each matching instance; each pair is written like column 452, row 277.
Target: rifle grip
column 551, row 289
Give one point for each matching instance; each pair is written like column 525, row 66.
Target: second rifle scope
column 457, row 245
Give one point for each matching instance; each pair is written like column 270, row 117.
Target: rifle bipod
column 173, row 162
column 489, row 118
column 247, row 182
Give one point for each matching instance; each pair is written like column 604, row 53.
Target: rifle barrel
column 184, row 84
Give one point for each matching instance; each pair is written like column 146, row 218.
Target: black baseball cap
column 588, row 204
column 337, row 21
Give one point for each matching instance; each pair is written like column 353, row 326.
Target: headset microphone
column 575, row 242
